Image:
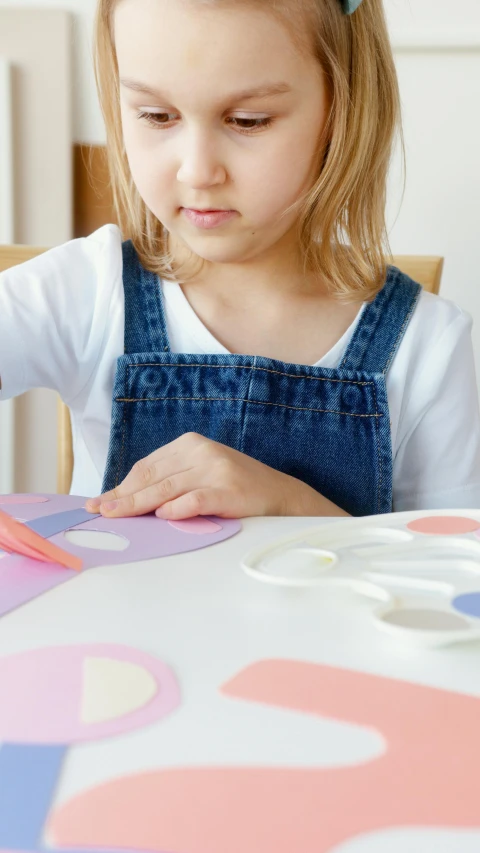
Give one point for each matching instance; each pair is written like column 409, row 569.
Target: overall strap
column 382, row 325
column 145, row 325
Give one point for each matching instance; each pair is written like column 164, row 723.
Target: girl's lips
column 208, row 218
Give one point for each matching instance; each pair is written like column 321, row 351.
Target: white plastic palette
column 423, row 568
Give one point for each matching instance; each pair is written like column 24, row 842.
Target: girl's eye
column 245, row 125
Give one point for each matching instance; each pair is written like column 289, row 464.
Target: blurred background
column 54, row 186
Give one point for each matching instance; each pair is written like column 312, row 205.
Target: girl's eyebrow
column 266, row 90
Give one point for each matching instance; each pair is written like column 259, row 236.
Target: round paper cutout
column 444, row 525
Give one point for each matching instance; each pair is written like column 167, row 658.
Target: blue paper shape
column 28, row 777
column 50, row 525
column 468, row 603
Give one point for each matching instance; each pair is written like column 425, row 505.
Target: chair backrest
column 427, row 270
column 10, row 256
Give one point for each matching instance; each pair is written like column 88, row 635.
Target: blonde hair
column 341, row 223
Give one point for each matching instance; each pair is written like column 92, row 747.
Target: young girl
column 247, row 351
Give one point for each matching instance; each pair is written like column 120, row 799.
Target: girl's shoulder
column 98, row 253
column 93, row 259
column 435, row 315
column 439, row 331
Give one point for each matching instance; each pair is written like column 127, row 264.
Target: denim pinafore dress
column 328, row 427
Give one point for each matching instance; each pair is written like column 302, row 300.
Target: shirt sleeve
column 53, row 315
column 437, row 463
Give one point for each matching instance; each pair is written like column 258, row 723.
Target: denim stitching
column 378, row 455
column 245, row 415
column 249, row 367
column 242, row 400
column 399, row 336
column 120, row 457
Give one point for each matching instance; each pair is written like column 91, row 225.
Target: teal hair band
column 349, row 6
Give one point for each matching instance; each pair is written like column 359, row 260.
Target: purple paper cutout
column 148, row 537
column 22, row 499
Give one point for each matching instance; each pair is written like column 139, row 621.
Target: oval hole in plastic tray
column 299, row 563
column 423, row 619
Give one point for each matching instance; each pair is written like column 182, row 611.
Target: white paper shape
column 113, row 689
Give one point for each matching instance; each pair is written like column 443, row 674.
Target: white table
column 207, row 620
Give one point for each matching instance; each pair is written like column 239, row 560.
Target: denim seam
column 250, row 367
column 400, row 334
column 379, row 459
column 120, row 456
column 243, row 400
column 244, row 416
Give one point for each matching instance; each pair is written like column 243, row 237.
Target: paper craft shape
column 112, row 689
column 22, row 499
column 22, row 579
column 52, row 697
column 52, row 681
column 423, row 571
column 429, row 775
column 17, row 538
column 444, row 525
column 28, row 778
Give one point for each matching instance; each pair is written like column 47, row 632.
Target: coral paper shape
column 429, row 775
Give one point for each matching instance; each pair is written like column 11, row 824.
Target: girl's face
column 194, row 141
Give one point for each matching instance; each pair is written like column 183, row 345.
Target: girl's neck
column 273, row 310
column 276, row 277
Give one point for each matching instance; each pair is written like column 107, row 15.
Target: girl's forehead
column 161, row 38
column 204, row 19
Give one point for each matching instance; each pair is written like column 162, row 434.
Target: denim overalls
column 327, row 427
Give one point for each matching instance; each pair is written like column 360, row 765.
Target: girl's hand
column 196, row 476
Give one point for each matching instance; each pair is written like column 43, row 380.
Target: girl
column 247, row 351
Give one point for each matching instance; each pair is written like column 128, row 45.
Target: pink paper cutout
column 198, row 526
column 444, row 525
column 17, row 538
column 22, row 499
column 41, row 692
column 22, row 578
column 429, row 775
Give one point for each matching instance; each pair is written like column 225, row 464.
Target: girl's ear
column 349, row 6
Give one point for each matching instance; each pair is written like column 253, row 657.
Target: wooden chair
column 427, row 270
column 10, row 256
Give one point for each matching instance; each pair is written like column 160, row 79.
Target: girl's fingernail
column 109, row 505
column 93, row 503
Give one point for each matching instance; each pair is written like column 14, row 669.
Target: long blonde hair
column 341, row 223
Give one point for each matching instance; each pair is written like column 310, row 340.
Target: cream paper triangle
column 113, row 688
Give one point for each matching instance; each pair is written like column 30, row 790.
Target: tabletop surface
column 207, row 620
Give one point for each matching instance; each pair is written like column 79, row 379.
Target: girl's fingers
column 199, row 502
column 150, row 498
column 149, row 472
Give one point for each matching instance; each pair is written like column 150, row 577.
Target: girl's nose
column 201, row 164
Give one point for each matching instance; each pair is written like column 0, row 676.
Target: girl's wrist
column 302, row 500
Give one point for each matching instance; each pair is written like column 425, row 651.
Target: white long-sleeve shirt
column 62, row 327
